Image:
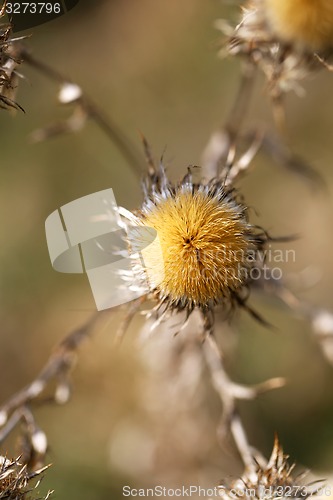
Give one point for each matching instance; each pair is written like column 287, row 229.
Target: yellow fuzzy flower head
column 207, row 247
column 307, row 23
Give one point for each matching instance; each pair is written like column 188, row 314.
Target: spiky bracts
column 16, row 481
column 10, row 58
column 271, row 480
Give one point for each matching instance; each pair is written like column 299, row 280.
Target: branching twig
column 58, row 365
column 85, row 108
column 17, row 409
column 230, row 392
column 222, row 142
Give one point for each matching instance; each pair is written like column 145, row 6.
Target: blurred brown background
column 152, row 66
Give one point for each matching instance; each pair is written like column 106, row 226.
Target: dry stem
column 229, row 393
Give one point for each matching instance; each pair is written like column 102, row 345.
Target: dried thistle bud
column 271, row 480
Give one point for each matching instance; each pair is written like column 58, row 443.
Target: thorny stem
column 229, row 393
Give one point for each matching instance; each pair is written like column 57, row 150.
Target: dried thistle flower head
column 271, row 480
column 206, row 240
column 205, row 248
column 304, row 23
column 15, row 480
column 9, row 60
column 287, row 39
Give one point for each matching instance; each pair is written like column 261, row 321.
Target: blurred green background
column 152, row 66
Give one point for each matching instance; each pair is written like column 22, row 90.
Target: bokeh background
column 134, row 418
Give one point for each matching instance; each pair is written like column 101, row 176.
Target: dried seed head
column 15, row 480
column 207, row 247
column 271, row 480
column 11, row 53
column 9, row 60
